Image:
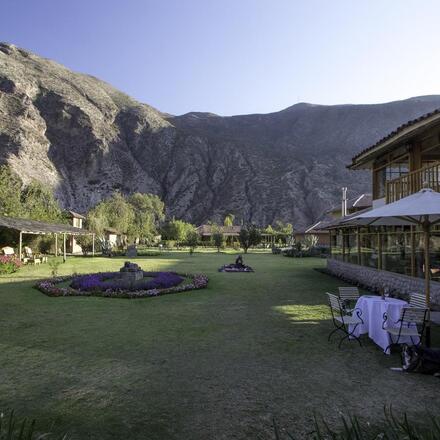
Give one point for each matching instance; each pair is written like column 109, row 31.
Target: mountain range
column 86, row 140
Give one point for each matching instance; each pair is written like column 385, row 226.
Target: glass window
column 351, row 247
column 390, row 172
column 396, row 252
column 336, row 245
column 369, row 250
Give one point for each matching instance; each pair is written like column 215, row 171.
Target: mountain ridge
column 87, row 139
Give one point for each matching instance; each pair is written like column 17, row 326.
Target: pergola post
column 343, row 244
column 64, row 247
column 413, row 253
column 379, row 250
column 20, row 245
column 330, row 242
column 93, row 245
column 56, row 245
column 427, row 233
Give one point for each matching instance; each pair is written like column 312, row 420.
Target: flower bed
column 9, row 264
column 98, row 284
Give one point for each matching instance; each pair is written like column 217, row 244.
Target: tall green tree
column 283, row 228
column 192, row 240
column 139, row 215
column 218, row 239
column 177, row 230
column 249, row 236
column 229, row 220
column 284, row 231
column 269, row 230
column 114, row 212
column 10, row 193
column 39, row 203
column 149, row 212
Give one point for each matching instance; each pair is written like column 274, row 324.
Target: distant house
column 352, row 205
column 319, row 229
column 346, row 208
column 231, row 233
column 113, row 236
column 76, row 220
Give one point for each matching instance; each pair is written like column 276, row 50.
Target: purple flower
column 108, row 284
column 106, row 281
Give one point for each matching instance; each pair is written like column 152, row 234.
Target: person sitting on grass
column 239, row 262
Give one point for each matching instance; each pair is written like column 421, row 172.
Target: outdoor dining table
column 372, row 311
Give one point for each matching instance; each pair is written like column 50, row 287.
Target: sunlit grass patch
column 311, row 314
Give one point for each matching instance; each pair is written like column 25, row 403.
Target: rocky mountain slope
column 87, row 139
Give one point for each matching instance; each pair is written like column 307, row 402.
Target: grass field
column 218, row 363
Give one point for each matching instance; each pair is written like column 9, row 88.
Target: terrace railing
column 412, row 182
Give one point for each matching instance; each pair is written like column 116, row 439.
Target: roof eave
column 364, row 159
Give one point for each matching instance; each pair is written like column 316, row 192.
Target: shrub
column 148, row 253
column 295, row 253
column 54, row 264
column 310, row 241
column 46, row 245
column 86, row 243
column 389, row 428
column 9, row 264
column 13, row 429
column 169, row 244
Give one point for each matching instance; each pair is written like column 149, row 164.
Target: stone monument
column 131, row 251
column 131, row 272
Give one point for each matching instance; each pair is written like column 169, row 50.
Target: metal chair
column 349, row 296
column 417, row 300
column 342, row 320
column 411, row 319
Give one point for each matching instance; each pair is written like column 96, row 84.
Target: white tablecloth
column 373, row 308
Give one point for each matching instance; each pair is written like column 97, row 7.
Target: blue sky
column 238, row 56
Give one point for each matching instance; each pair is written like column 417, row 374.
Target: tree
column 38, row 203
column 249, row 236
column 229, row 220
column 35, row 200
column 283, row 228
column 86, row 243
column 177, row 230
column 148, row 212
column 218, row 240
column 192, row 240
column 114, row 212
column 310, row 241
column 269, row 230
column 284, row 231
column 10, row 193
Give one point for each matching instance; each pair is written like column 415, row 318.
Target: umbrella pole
column 426, row 228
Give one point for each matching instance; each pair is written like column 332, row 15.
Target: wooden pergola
column 34, row 227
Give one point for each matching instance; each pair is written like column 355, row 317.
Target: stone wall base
column 375, row 280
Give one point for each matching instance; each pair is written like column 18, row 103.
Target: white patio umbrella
column 421, row 208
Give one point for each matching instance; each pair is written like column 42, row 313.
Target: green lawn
column 218, row 363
